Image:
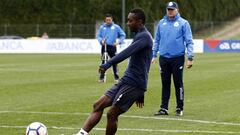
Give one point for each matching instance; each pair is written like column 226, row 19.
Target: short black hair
column 109, row 15
column 139, row 14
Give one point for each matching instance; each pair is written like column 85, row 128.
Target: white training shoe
column 82, row 132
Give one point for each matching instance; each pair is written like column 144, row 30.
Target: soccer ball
column 36, row 128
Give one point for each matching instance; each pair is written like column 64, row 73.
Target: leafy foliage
column 89, row 11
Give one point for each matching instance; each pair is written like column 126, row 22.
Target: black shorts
column 123, row 95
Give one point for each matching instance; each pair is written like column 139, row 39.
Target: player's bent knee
column 97, row 107
column 102, row 103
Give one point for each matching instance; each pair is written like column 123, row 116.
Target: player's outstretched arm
column 103, row 68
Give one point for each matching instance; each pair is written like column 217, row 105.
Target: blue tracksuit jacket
column 173, row 37
column 110, row 33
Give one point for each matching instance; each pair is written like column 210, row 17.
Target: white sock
column 82, row 132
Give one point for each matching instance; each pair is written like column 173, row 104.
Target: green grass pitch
column 59, row 90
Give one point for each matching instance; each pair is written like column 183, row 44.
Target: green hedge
column 88, row 11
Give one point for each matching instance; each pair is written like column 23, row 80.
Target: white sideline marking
column 130, row 116
column 186, row 120
column 133, row 129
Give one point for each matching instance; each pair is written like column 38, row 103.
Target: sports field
column 59, row 90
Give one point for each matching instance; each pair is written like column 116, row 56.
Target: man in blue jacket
column 172, row 38
column 107, row 35
column 132, row 85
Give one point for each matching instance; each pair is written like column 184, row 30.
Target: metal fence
column 53, row 30
column 200, row 30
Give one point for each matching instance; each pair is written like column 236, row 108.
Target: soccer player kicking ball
column 132, row 85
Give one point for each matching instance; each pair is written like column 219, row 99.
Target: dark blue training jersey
column 140, row 53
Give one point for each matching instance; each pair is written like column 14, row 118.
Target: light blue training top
column 173, row 37
column 110, row 33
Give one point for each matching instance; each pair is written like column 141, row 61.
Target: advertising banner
column 221, row 45
column 49, row 46
column 65, row 46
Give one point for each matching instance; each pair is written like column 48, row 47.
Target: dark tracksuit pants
column 111, row 50
column 172, row 66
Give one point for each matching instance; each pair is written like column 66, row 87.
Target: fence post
column 5, row 29
column 37, row 30
column 70, row 30
column 212, row 25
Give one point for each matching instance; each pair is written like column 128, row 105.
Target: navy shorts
column 123, row 95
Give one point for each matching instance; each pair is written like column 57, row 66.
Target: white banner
column 198, row 46
column 64, row 46
column 49, row 46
